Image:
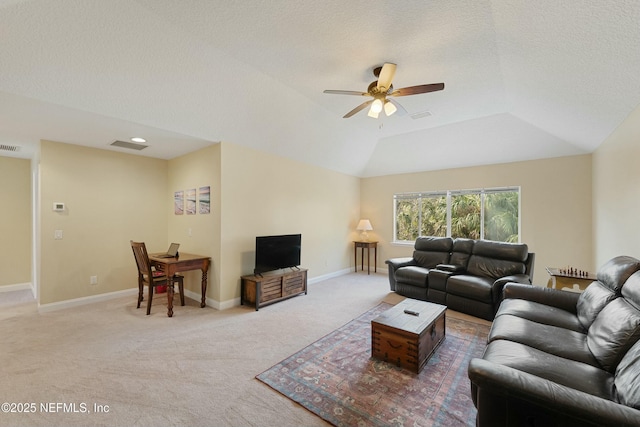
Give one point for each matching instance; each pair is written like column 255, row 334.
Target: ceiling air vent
column 427, row 113
column 129, row 145
column 4, row 147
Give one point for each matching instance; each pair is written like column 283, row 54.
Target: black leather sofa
column 558, row 358
column 466, row 275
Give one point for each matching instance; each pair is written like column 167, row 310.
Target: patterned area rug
column 337, row 379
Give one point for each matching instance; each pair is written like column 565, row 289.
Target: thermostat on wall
column 58, row 207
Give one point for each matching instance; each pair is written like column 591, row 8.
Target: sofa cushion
column 616, row 271
column 431, row 243
column 579, row 376
column 462, row 249
column 412, row 275
column 410, row 291
column 627, row 378
column 472, row 287
column 497, row 259
column 592, row 301
column 631, row 290
column 613, row 332
column 431, row 251
column 550, row 339
column 541, row 313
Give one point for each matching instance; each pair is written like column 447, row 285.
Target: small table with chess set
column 569, row 279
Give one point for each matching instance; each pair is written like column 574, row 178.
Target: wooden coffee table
column 408, row 340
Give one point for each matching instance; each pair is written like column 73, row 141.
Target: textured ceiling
column 524, row 80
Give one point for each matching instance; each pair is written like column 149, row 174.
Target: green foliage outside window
column 501, row 217
column 407, row 219
column 465, row 216
column 434, row 216
column 427, row 215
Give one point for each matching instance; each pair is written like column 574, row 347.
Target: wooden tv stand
column 268, row 288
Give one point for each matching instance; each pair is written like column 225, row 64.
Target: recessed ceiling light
column 138, row 139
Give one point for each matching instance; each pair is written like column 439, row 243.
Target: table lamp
column 364, row 225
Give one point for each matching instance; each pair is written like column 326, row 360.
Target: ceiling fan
column 382, row 90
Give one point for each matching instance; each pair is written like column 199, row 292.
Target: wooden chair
column 150, row 277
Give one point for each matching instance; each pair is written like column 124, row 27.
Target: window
column 489, row 214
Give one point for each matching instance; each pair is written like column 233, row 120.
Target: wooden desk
column 563, row 280
column 362, row 246
column 184, row 262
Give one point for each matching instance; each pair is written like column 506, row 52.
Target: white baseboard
column 224, row 305
column 16, row 287
column 54, row 306
column 210, row 302
column 329, row 276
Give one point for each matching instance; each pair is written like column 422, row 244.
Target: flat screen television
column 276, row 252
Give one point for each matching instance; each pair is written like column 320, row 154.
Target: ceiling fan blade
column 401, row 111
column 386, row 76
column 357, row 109
column 414, row 90
column 346, row 92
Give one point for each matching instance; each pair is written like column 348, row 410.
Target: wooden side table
column 561, row 279
column 368, row 246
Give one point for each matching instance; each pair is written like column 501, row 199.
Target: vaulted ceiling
column 523, row 80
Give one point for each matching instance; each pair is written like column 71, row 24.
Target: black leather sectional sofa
column 558, row 358
column 466, row 275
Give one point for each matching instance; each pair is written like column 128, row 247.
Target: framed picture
column 178, row 202
column 204, row 198
column 190, row 198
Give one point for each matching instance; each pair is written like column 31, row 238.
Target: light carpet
column 197, row 368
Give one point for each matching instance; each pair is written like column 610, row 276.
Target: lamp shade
column 373, row 114
column 389, row 108
column 376, row 105
column 364, row 225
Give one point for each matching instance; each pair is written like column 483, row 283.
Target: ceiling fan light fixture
column 383, row 88
column 376, row 106
column 389, row 108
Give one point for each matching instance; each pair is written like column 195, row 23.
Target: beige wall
column 120, row 197
column 555, row 205
column 263, row 194
column 111, row 198
column 616, row 192
column 15, row 226
column 199, row 233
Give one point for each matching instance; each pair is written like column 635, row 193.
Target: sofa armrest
column 514, row 278
column 552, row 297
column 500, row 392
column 498, row 285
column 394, row 264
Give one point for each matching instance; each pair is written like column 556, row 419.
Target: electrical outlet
column 57, row 234
column 93, row 280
